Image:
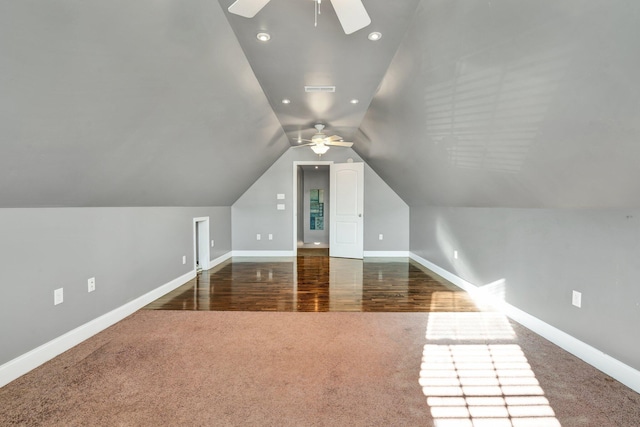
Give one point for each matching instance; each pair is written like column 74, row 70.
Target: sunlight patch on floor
column 480, row 384
column 469, row 326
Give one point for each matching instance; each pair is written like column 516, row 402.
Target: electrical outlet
column 577, row 299
column 455, row 254
column 91, row 284
column 184, row 259
column 270, row 236
column 211, row 242
column 258, row 236
column 380, row 236
column 58, row 296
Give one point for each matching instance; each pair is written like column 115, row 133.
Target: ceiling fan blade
column 339, row 143
column 247, row 8
column 351, row 14
column 304, row 145
column 334, row 138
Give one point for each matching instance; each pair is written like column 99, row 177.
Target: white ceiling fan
column 320, row 142
column 351, row 13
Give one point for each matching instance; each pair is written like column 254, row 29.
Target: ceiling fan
column 320, row 142
column 351, row 13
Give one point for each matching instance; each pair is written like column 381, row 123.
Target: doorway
column 311, row 224
column 328, row 207
column 313, row 206
column 201, row 259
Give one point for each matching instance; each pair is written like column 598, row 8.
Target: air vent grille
column 319, row 88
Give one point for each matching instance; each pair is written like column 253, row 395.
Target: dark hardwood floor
column 314, row 282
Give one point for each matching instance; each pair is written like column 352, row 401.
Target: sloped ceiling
column 119, row 103
column 494, row 103
column 512, row 104
column 301, row 54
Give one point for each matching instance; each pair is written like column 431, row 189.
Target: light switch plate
column 576, row 299
column 280, row 196
column 280, row 206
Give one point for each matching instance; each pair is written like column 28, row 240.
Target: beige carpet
column 307, row 369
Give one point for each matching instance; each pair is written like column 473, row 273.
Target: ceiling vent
column 319, row 88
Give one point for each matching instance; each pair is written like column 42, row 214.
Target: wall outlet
column 576, row 299
column 280, row 196
column 258, row 236
column 211, row 242
column 58, row 296
column 184, row 259
column 380, row 236
column 91, row 284
column 270, row 236
column 455, row 254
column 280, row 206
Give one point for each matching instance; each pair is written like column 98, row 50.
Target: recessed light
column 286, row 101
column 374, row 36
column 263, row 37
column 354, row 101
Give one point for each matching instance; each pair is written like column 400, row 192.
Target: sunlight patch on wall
column 488, row 116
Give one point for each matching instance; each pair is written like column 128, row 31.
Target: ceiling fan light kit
column 320, row 143
column 320, row 149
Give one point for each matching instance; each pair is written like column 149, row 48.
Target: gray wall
column 130, row 251
column 316, row 179
column 255, row 211
column 543, row 255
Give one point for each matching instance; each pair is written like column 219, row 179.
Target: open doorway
column 201, row 243
column 311, row 219
column 314, row 209
column 342, row 208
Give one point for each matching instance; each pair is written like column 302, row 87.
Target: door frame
column 294, row 201
column 201, row 234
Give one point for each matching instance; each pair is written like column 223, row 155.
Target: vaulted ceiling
column 461, row 103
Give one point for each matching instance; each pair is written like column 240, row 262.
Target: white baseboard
column 386, row 254
column 263, row 253
column 219, row 260
column 596, row 358
column 22, row 364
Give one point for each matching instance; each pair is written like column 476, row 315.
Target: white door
column 347, row 202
